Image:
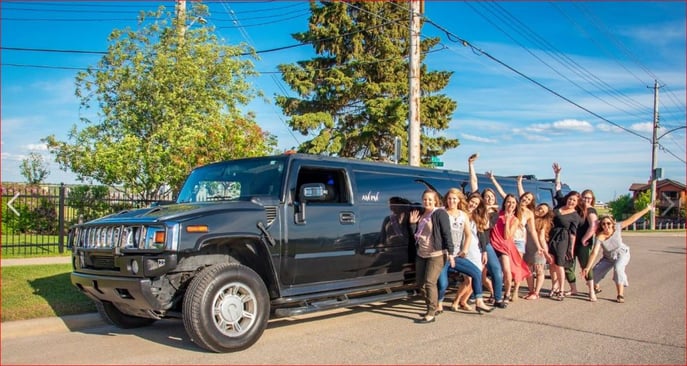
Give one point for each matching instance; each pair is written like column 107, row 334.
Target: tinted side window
column 334, row 181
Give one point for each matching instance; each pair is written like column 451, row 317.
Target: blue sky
column 570, row 82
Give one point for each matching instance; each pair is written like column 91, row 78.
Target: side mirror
column 309, row 192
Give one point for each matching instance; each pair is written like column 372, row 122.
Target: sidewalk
column 41, row 326
column 37, row 260
column 33, row 327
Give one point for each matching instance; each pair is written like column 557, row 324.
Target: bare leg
column 539, row 283
column 590, row 287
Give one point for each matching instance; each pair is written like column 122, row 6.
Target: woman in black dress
column 562, row 241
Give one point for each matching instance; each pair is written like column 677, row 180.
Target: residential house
column 670, row 197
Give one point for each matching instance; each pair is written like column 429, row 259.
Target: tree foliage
column 353, row 96
column 621, row 207
column 643, row 200
column 169, row 98
column 34, row 169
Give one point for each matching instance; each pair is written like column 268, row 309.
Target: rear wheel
column 113, row 316
column 226, row 308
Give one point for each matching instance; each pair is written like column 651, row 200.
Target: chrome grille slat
column 111, row 236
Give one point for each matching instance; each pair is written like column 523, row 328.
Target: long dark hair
column 518, row 209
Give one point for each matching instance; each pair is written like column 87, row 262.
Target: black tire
column 113, row 316
column 226, row 308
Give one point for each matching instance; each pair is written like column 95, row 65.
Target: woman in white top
column 616, row 254
column 467, row 257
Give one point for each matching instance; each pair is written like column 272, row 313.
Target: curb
column 41, row 326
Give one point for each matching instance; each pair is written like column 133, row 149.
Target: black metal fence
column 36, row 220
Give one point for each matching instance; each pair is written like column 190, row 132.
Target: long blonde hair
column 462, row 201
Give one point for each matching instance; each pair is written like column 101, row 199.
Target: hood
column 176, row 212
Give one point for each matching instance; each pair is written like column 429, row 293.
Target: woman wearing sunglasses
column 616, row 254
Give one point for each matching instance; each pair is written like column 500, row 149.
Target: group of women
column 497, row 248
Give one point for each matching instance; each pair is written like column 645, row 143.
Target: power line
column 464, row 42
column 557, row 55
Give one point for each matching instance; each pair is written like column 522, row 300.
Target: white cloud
column 37, row 147
column 469, row 137
column 643, row 127
column 573, row 125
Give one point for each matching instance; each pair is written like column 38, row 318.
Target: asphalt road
column 648, row 329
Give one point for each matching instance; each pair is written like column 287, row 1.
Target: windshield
column 234, row 180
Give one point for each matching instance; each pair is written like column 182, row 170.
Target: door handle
column 347, row 217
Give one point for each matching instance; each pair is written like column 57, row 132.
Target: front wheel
column 113, row 316
column 226, row 308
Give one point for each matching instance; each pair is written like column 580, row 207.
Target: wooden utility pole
column 654, row 146
column 414, row 132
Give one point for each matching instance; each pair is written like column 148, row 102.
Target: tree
column 169, row 100
column 353, row 96
column 34, row 169
column 621, row 207
column 643, row 200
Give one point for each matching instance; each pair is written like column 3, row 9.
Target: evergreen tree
column 353, row 96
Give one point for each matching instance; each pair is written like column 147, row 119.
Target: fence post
column 60, row 218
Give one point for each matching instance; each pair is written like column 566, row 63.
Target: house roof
column 639, row 187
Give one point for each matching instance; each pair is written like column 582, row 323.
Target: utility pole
column 654, row 146
column 414, row 84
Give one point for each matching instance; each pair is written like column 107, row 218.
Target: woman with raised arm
column 525, row 236
column 534, row 246
column 492, row 267
column 562, row 242
column 616, row 254
column 514, row 267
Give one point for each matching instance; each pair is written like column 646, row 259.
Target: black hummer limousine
column 258, row 237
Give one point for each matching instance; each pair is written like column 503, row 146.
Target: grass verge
column 38, row 291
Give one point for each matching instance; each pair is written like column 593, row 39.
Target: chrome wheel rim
column 234, row 309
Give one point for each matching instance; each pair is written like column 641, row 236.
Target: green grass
column 37, row 291
column 36, row 246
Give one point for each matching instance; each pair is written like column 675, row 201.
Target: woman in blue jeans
column 492, row 267
column 466, row 254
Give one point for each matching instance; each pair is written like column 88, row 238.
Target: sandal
column 621, row 299
column 465, row 307
column 531, row 296
column 597, row 289
column 558, row 296
column 592, row 297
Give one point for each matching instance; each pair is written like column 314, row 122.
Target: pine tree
column 353, row 96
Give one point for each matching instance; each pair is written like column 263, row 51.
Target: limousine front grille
column 120, row 236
